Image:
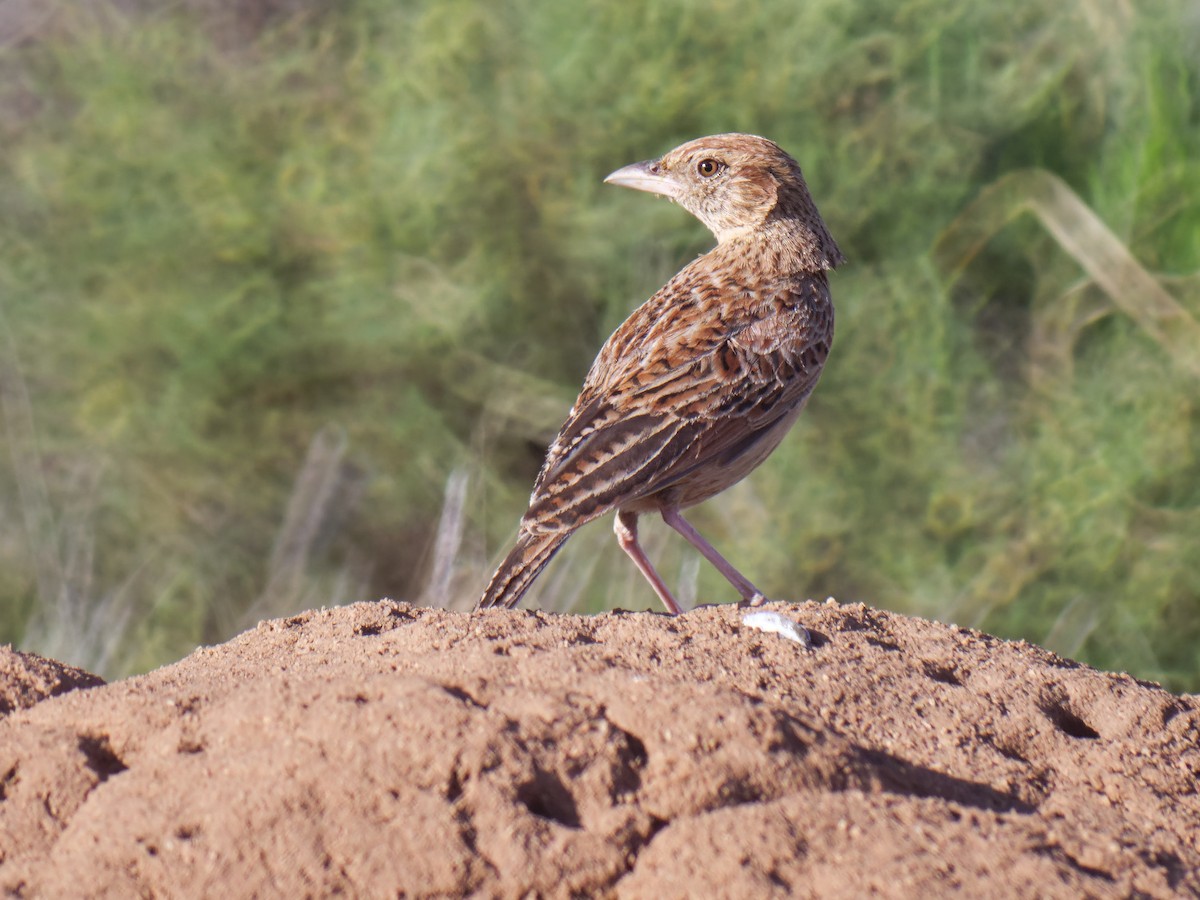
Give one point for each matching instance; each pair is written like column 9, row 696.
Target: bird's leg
column 673, row 517
column 625, row 527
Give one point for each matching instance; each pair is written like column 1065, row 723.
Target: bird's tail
column 521, row 567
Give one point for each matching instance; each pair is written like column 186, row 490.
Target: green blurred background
column 293, row 294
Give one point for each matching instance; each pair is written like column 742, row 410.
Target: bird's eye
column 708, row 168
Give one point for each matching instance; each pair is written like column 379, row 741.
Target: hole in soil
column 10, row 778
column 454, row 788
column 1171, row 711
column 459, row 694
column 631, row 760
column 1008, row 751
column 738, row 792
column 816, row 639
column 547, row 797
column 656, row 825
column 778, row 880
column 100, row 756
column 1067, row 722
column 1174, row 867
column 944, row 674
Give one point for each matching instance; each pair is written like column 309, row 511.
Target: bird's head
column 738, row 185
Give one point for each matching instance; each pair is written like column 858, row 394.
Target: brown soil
column 381, row 749
column 26, row 679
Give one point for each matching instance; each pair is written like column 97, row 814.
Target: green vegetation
column 291, row 299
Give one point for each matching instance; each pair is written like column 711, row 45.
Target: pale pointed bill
column 644, row 176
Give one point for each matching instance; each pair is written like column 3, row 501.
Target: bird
column 702, row 381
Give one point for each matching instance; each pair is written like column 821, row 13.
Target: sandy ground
column 381, row 749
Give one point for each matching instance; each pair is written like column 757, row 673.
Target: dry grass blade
column 448, row 541
column 75, row 621
column 323, row 489
column 21, row 435
column 1056, row 327
column 310, row 502
column 1073, row 626
column 1088, row 240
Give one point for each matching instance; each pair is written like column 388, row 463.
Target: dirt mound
column 27, row 679
column 383, row 749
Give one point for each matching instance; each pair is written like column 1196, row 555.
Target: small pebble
column 781, row 625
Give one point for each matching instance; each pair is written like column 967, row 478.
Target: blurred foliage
column 274, row 274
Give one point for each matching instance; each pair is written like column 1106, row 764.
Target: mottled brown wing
column 689, row 380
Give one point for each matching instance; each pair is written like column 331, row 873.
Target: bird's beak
column 645, row 176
